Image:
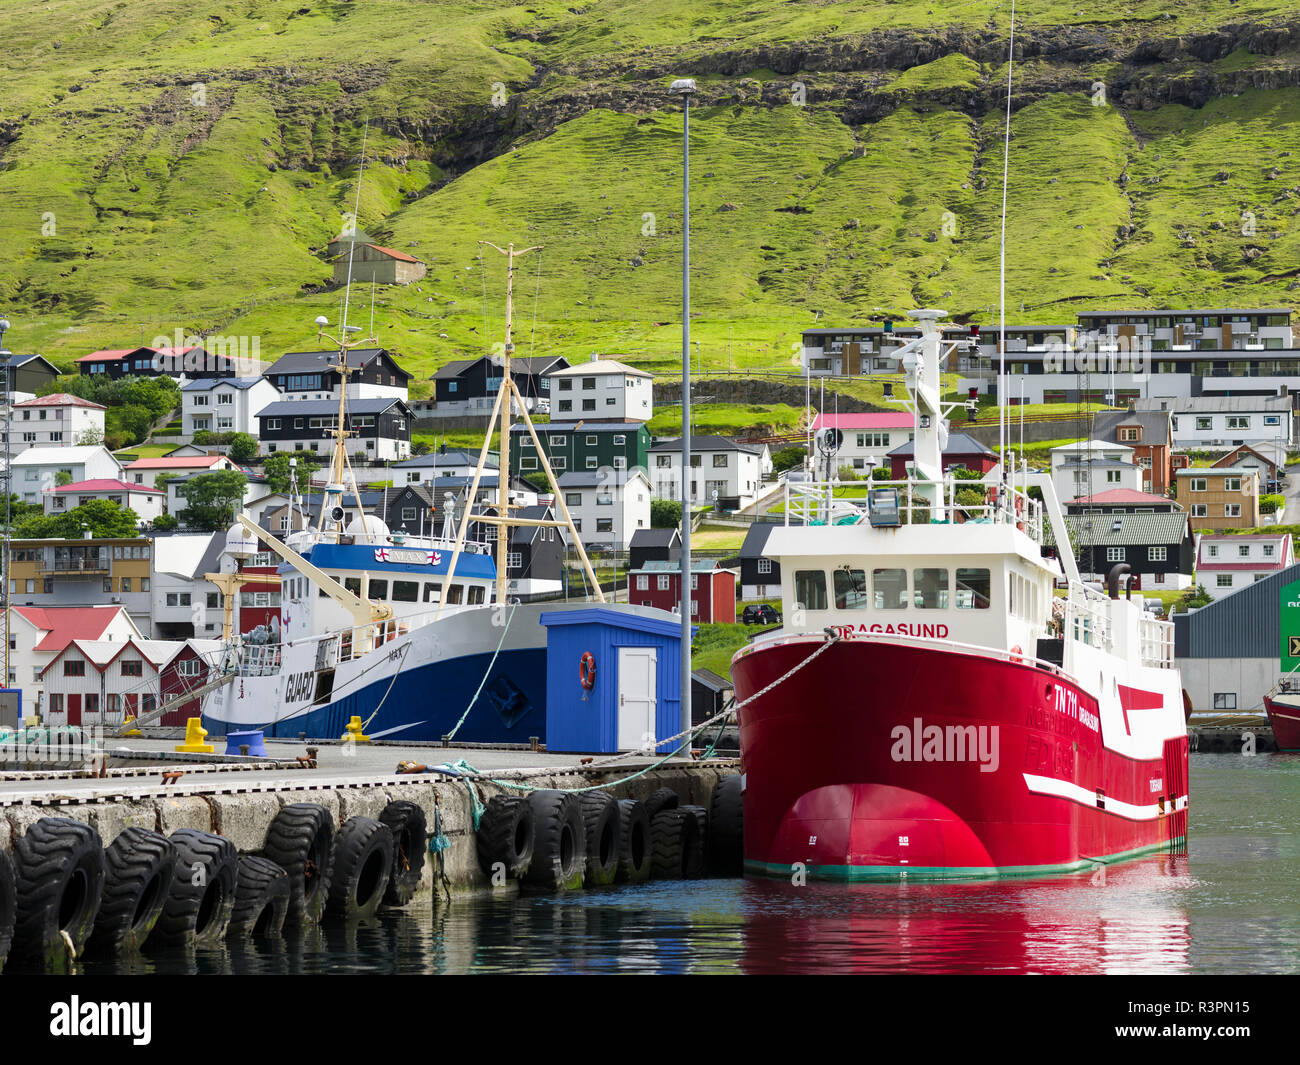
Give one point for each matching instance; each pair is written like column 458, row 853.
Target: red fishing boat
column 931, row 709
column 1283, row 706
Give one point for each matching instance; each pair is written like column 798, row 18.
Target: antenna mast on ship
column 507, row 393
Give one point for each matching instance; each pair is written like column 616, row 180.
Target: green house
column 581, row 446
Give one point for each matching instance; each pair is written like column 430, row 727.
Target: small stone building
column 370, row 262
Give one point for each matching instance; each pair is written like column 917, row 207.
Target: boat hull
column 1284, row 717
column 892, row 760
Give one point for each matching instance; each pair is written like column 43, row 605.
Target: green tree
column 213, row 499
column 1195, row 596
column 63, row 477
column 101, row 517
column 788, row 458
column 665, row 513
column 243, row 448
column 166, row 522
column 276, row 470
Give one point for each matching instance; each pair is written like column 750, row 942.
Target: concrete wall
column 1247, row 678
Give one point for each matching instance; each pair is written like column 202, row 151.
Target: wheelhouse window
column 850, row 589
column 455, row 593
column 810, row 589
column 890, row 587
column 432, row 591
column 406, row 591
column 930, row 589
column 973, row 588
column 378, row 590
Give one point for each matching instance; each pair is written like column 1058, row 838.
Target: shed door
column 636, row 697
column 74, row 710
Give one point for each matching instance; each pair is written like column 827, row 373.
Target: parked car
column 760, row 614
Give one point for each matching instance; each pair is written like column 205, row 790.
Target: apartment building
column 1220, row 422
column 311, row 375
column 147, row 503
column 56, row 573
column 224, row 405
column 1150, row 434
column 602, row 388
column 40, row 468
column 1091, row 466
column 380, row 427
column 607, row 506
column 58, row 420
column 723, row 472
column 1216, row 498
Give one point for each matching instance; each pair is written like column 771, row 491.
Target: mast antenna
column 1002, row 261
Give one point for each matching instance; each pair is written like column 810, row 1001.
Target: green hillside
column 169, row 166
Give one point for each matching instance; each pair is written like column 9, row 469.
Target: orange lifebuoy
column 587, row 670
column 1016, row 652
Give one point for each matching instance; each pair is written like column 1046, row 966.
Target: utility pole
column 8, row 487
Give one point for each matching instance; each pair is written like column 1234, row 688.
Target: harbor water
column 1231, row 905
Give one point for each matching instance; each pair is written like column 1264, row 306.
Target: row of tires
column 62, row 892
column 558, row 840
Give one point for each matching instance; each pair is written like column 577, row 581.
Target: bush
column 848, row 473
column 665, row 513
column 788, row 458
column 882, row 473
column 1271, row 504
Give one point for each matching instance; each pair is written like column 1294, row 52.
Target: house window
column 188, row 668
column 1200, row 510
column 719, row 461
column 1130, row 435
column 1157, row 554
column 74, row 669
column 1232, row 510
column 1268, row 550
column 132, row 667
column 662, row 461
column 620, row 441
column 592, row 462
column 1199, row 484
column 588, row 404
column 620, row 463
column 642, row 583
column 1224, row 580
column 663, row 582
column 1204, row 423
column 1225, row 700
column 1272, row 419
column 1238, row 422
column 573, row 499
column 1232, row 484
column 514, row 559
column 1243, row 551
column 604, row 525
column 764, row 565
column 1114, row 554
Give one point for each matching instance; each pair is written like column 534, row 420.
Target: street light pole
column 8, row 489
column 684, row 87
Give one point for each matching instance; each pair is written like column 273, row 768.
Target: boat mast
column 508, row 393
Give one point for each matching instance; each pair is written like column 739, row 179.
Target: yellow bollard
column 194, row 735
column 131, row 731
column 352, row 732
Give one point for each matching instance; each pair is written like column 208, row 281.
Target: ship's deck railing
column 1156, row 642
column 920, row 502
column 1087, row 617
column 257, row 660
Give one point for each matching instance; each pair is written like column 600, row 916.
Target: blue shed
column 637, row 689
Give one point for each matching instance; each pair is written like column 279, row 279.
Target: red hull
column 890, row 760
column 1284, row 717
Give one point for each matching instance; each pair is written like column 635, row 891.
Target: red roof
column 63, row 624
column 1257, row 566
column 387, row 251
column 107, row 484
column 177, row 462
column 108, row 355
column 874, row 420
column 60, row 399
column 1120, row 495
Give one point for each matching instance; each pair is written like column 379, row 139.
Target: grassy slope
column 168, row 215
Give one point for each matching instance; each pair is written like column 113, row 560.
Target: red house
column 713, row 589
column 963, row 452
column 187, row 670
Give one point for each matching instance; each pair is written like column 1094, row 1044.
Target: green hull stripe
column 919, row 872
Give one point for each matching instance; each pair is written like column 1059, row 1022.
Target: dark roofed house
column 1121, row 501
column 381, row 427
column 1159, row 548
column 28, row 373
column 310, row 375
column 654, row 545
column 709, row 694
column 1149, row 433
column 535, row 556
column 963, row 452
column 469, row 386
column 192, row 361
column 760, row 576
column 445, row 462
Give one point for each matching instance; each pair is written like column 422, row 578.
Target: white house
column 602, row 389
column 722, row 470
column 224, row 404
column 1220, row 422
column 607, row 506
column 93, row 682
column 59, row 420
column 175, row 501
column 1225, row 562
column 1089, row 467
column 147, row 471
column 146, row 502
column 868, row 438
column 38, row 468
column 445, row 462
column 38, row 633
column 184, row 604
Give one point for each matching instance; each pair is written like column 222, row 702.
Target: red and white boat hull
column 1284, row 717
column 890, row 759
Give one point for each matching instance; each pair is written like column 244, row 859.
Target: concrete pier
column 239, row 799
